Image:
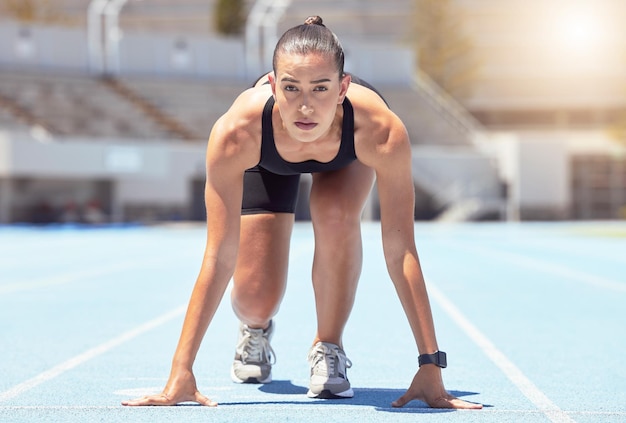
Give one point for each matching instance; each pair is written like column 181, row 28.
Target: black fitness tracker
column 437, row 358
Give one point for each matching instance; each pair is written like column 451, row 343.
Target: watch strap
column 438, row 358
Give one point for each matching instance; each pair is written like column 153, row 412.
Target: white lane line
column 69, row 277
column 544, row 266
column 64, row 278
column 512, row 372
column 279, row 406
column 90, row 354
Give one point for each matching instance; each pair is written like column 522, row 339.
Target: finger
column 148, row 400
column 466, row 405
column 204, row 400
column 403, row 400
column 453, row 402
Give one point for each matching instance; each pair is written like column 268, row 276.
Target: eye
column 320, row 89
column 290, row 88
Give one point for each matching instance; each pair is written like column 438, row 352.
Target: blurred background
column 516, row 109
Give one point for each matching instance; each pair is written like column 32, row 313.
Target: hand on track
column 428, row 386
column 180, row 388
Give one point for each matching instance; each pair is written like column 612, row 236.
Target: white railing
column 95, row 42
column 104, row 55
column 448, row 107
column 260, row 34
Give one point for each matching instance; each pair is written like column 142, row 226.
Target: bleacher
column 376, row 20
column 364, row 20
column 188, row 16
column 79, row 105
column 83, row 105
column 194, row 104
column 186, row 108
column 153, row 105
column 74, row 105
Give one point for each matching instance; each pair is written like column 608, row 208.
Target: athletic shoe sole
column 327, row 394
column 251, row 380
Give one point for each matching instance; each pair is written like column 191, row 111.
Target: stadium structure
column 106, row 106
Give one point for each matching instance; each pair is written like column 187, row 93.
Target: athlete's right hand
column 180, row 388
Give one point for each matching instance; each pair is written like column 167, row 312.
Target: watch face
column 442, row 360
column 438, row 358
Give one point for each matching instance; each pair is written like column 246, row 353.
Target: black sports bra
column 273, row 162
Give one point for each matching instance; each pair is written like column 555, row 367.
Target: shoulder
column 245, row 113
column 236, row 136
column 379, row 134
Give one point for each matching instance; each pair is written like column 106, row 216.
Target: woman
column 305, row 116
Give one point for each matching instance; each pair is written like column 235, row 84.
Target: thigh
column 262, row 261
column 266, row 223
column 341, row 194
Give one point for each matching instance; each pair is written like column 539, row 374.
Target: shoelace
column 324, row 359
column 254, row 347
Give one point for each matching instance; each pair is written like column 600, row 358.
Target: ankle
column 332, row 341
column 257, row 324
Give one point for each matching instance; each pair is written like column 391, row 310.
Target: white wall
column 154, row 173
column 380, row 63
column 170, row 54
column 191, row 56
column 50, row 47
column 169, row 187
column 537, row 171
column 43, row 47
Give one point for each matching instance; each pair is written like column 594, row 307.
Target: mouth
column 306, row 126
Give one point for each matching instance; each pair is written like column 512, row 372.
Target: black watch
column 437, row 358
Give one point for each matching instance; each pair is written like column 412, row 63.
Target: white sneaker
column 328, row 372
column 254, row 355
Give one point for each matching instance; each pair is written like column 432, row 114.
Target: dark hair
column 310, row 37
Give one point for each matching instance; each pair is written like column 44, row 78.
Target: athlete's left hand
column 427, row 386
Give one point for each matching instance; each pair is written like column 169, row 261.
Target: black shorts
column 267, row 192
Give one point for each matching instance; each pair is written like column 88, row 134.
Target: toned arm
column 382, row 142
column 388, row 151
column 233, row 147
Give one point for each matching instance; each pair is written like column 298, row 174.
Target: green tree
column 230, row 16
column 443, row 50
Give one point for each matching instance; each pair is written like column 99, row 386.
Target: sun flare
column 580, row 29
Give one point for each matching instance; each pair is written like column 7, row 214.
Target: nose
column 306, row 109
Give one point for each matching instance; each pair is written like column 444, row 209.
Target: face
column 307, row 90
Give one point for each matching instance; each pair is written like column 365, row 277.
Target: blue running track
column 532, row 315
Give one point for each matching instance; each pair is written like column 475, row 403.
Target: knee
column 255, row 308
column 335, row 217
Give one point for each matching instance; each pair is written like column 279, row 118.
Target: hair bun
column 314, row 20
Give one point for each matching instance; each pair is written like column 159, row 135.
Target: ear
column 272, row 78
column 344, row 85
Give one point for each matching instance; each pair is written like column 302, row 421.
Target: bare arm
column 231, row 149
column 396, row 192
column 223, row 191
column 382, row 143
column 386, row 148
